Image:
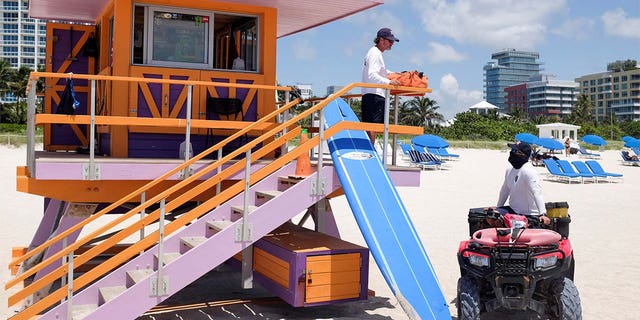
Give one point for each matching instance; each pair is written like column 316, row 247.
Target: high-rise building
column 549, row 96
column 512, row 67
column 516, row 98
column 23, row 39
column 305, row 90
column 615, row 93
column 333, row 89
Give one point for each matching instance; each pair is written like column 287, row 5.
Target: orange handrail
column 195, row 213
column 149, row 185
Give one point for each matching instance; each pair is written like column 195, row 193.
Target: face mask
column 517, row 160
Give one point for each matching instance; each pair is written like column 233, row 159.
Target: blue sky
column 452, row 40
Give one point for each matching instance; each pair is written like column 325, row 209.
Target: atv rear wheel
column 468, row 299
column 565, row 303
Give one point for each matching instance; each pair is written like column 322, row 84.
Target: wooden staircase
column 196, row 249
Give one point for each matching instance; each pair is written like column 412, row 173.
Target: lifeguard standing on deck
column 375, row 71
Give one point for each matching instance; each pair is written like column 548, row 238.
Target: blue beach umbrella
column 627, row 138
column 430, row 141
column 549, row 143
column 526, row 137
column 594, row 140
column 635, row 143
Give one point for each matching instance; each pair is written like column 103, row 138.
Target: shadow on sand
column 218, row 295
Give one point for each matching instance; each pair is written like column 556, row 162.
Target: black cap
column 522, row 146
column 386, row 33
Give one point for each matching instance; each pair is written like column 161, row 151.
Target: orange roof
column 293, row 15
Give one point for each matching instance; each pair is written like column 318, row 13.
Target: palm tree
column 6, row 75
column 518, row 115
column 581, row 112
column 419, row 111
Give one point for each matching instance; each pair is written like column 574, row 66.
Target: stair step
column 218, row 226
column 240, row 209
column 192, row 242
column 81, row 311
column 266, row 195
column 139, row 275
column 108, row 293
column 285, row 182
column 168, row 257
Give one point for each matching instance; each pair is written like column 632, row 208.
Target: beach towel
column 68, row 102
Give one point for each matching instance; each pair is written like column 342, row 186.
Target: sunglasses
column 518, row 152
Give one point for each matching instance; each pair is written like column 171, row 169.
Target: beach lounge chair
column 626, row 159
column 597, row 168
column 636, row 150
column 584, row 153
column 566, row 167
column 444, row 153
column 405, row 149
column 557, row 174
column 421, row 160
column 583, row 169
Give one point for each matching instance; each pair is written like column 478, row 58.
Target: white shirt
column 374, row 71
column 522, row 187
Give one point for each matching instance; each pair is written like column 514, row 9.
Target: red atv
column 513, row 262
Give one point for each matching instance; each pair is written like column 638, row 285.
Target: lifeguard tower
column 177, row 160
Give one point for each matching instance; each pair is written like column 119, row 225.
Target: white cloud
column 493, row 23
column 617, row 23
column 579, row 28
column 452, row 99
column 303, row 50
column 439, row 52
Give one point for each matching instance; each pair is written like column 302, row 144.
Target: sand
column 603, row 233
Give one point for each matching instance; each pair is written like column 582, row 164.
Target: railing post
column 143, row 212
column 385, row 133
column 218, row 170
column 31, row 128
column 92, row 133
column 159, row 287
column 245, row 233
column 321, row 140
column 70, row 286
column 395, row 136
column 285, row 116
column 187, row 138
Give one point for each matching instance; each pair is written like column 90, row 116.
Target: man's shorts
column 373, row 108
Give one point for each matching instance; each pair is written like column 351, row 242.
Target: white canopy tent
column 482, row 107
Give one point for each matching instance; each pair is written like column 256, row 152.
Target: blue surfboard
column 383, row 219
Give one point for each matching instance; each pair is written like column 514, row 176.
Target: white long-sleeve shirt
column 522, row 187
column 374, row 71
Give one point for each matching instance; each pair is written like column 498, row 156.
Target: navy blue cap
column 386, row 33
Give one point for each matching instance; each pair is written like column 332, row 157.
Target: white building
column 305, row 90
column 548, row 96
column 23, row 39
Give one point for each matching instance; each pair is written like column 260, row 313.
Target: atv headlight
column 545, row 261
column 476, row 259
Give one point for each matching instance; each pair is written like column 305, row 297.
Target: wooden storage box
column 307, row 268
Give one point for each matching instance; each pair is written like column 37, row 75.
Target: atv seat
column 529, row 237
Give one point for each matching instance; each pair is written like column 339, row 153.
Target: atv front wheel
column 468, row 301
column 565, row 303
